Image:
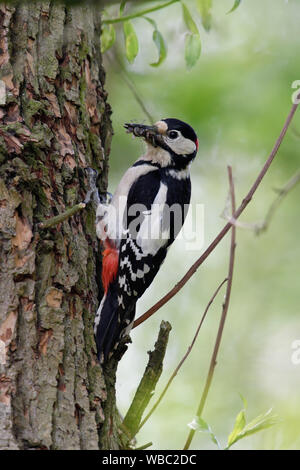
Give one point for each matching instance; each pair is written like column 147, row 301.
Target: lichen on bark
column 54, row 123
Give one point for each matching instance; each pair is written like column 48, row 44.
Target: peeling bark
column 55, row 122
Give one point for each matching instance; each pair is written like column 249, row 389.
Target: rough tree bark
column 54, row 123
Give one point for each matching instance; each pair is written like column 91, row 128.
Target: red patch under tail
column 110, row 263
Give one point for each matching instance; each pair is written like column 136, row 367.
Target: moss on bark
column 55, row 122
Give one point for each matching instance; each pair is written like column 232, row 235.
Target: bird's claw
column 105, row 198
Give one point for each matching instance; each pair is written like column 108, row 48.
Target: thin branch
column 227, row 227
column 132, row 87
column 120, row 19
column 145, row 446
column 183, row 359
column 148, row 382
column 259, row 228
column 91, row 196
column 61, row 217
column 239, row 224
column 262, row 226
column 213, row 361
column 129, row 82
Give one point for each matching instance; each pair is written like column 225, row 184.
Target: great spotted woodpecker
column 157, row 188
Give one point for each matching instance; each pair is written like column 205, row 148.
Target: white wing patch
column 120, row 301
column 109, row 217
column 151, row 236
column 180, row 174
column 140, row 243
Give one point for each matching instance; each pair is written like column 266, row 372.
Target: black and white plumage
column 137, row 227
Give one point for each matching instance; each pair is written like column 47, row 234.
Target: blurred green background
column 237, row 99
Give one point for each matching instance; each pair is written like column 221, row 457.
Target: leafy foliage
column 236, row 4
column 159, row 42
column 241, row 429
column 198, row 424
column 204, row 7
column 192, row 49
column 192, row 40
column 188, row 19
column 131, row 41
column 108, row 37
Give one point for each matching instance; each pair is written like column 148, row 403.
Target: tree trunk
column 54, row 123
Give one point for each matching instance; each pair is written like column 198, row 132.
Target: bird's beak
column 150, row 133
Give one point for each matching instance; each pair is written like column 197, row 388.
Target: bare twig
column 293, row 181
column 148, row 382
column 91, row 196
column 145, row 446
column 131, row 85
column 262, row 226
column 129, row 82
column 183, row 359
column 61, row 217
column 239, row 224
column 227, row 227
column 213, row 361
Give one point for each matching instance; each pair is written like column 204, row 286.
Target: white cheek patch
column 181, row 146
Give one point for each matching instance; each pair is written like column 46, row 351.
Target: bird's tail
column 105, row 322
column 109, row 323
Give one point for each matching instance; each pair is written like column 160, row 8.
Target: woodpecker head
column 172, row 135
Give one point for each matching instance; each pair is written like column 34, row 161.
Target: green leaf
column 239, row 425
column 236, row 4
column 192, row 41
column 198, row 424
column 245, row 403
column 122, row 6
column 159, row 42
column 151, row 21
column 263, row 421
column 161, row 47
column 190, row 23
column 204, row 7
column 192, row 49
column 131, row 41
column 108, row 37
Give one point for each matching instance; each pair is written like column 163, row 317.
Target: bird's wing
column 145, row 238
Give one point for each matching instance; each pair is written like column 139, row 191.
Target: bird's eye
column 173, row 134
